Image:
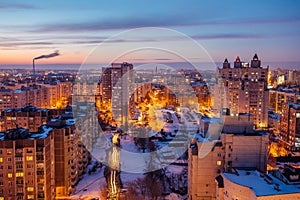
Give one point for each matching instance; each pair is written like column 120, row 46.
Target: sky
column 227, row 28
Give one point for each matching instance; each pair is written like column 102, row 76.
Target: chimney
column 33, row 67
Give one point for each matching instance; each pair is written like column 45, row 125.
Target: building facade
column 43, row 164
column 26, row 163
column 40, row 95
column 239, row 146
column 117, row 90
column 290, row 126
column 278, row 97
column 246, row 89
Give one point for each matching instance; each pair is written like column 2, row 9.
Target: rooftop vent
column 268, row 179
column 277, row 187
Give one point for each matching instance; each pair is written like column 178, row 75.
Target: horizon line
column 139, row 62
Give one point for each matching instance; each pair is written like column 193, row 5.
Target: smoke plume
column 56, row 53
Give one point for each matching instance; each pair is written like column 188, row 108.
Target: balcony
column 20, row 194
column 40, row 169
column 40, row 181
column 39, row 158
column 40, row 173
column 41, row 196
column 19, row 154
column 20, row 182
column 73, row 180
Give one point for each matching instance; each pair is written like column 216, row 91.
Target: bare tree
column 103, row 191
column 132, row 193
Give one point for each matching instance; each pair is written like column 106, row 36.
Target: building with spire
column 245, row 89
column 226, row 64
column 237, row 62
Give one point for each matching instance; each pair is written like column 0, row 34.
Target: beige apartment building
column 246, row 89
column 238, row 146
column 41, row 95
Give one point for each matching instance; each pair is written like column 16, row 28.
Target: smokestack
column 33, row 68
column 56, row 53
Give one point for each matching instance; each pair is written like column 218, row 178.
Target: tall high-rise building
column 246, row 89
column 290, row 125
column 27, row 168
column 117, row 91
column 41, row 162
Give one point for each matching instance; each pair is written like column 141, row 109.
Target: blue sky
column 224, row 28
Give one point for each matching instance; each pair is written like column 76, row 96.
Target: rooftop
column 261, row 185
column 239, row 130
column 27, row 109
column 24, row 134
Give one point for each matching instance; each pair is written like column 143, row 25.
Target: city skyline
column 127, row 100
column 30, row 29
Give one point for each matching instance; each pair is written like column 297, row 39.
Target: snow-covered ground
column 134, row 162
column 89, row 186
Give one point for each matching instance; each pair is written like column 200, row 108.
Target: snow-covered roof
column 257, row 183
column 43, row 133
column 70, row 122
column 18, row 91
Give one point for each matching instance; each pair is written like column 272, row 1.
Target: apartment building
column 290, row 126
column 246, row 89
column 277, row 97
column 27, row 169
column 238, row 146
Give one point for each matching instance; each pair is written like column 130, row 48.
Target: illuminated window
column 30, row 189
column 9, row 175
column 1, row 198
column 297, row 115
column 19, row 174
column 30, row 196
column 219, row 162
column 29, row 157
column 1, row 159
